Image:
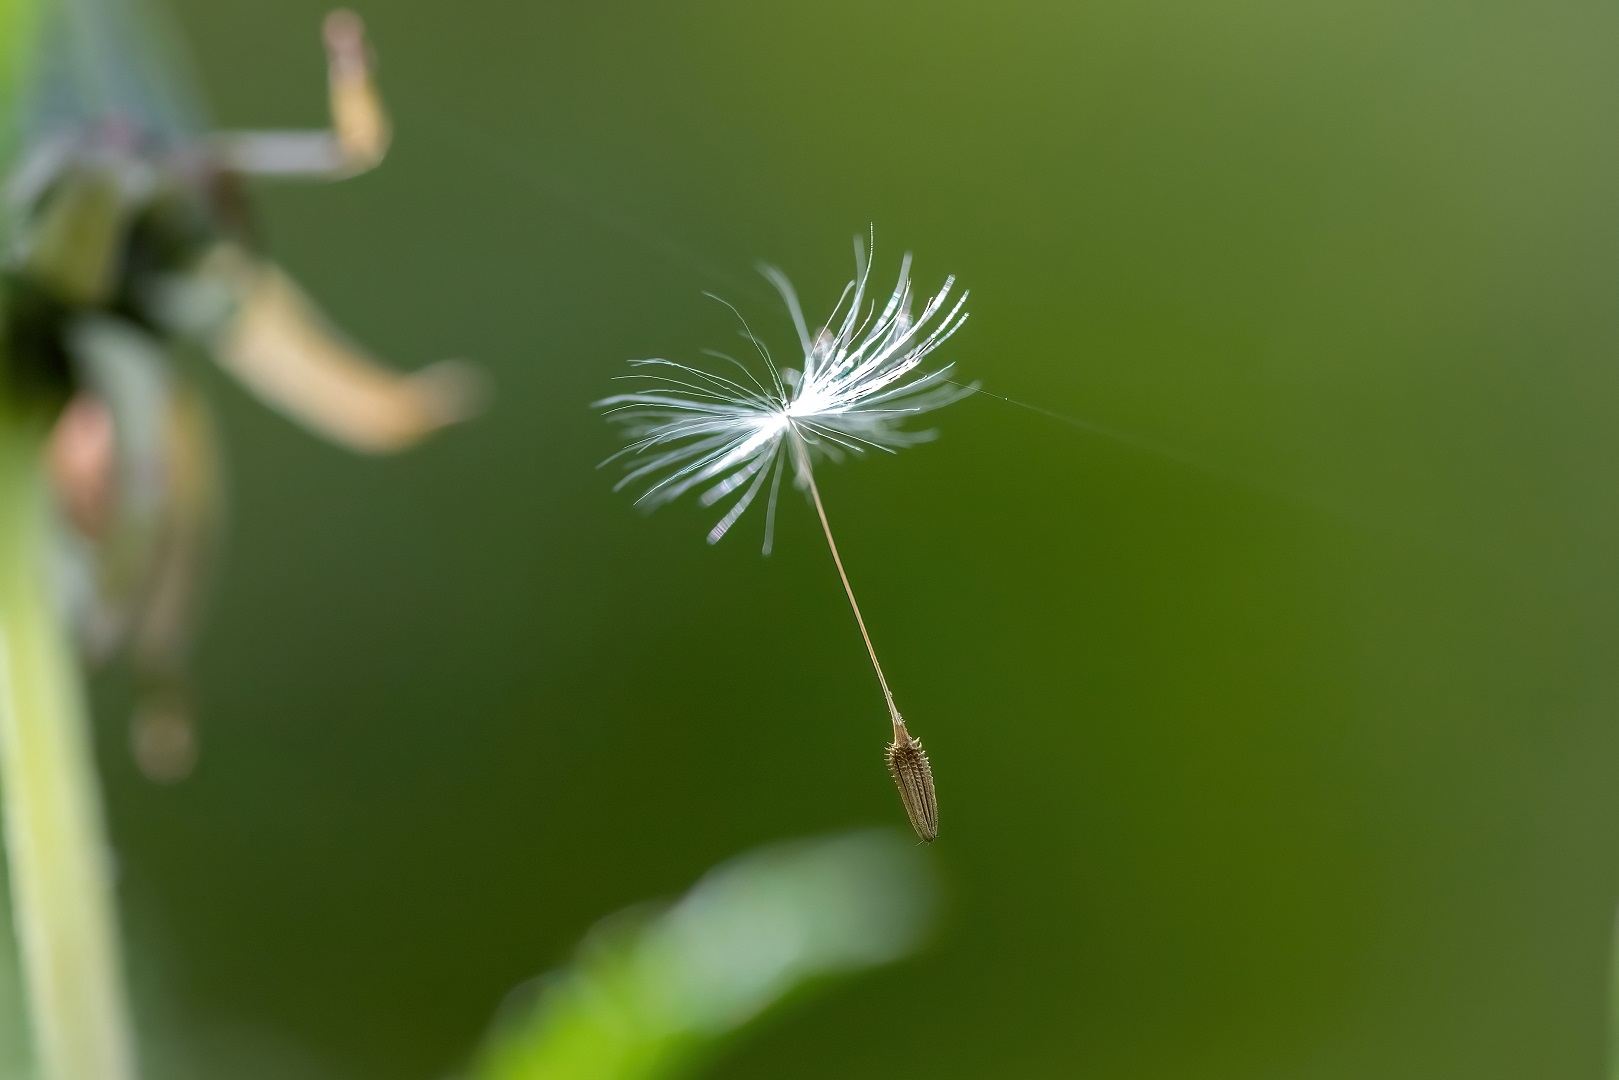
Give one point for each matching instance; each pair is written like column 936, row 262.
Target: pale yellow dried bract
column 281, row 347
column 359, row 134
column 359, row 122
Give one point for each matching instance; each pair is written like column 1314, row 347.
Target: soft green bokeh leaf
column 648, row 995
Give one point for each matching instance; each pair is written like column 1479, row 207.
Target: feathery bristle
column 908, row 765
column 726, row 431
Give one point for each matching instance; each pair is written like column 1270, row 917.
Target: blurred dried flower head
column 128, row 246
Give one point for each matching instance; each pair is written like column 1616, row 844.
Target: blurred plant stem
column 59, row 862
column 1613, row 1002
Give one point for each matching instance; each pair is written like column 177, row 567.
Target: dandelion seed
column 723, row 431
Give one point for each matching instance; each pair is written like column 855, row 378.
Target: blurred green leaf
column 648, row 994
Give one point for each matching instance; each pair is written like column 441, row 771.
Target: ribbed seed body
column 908, row 765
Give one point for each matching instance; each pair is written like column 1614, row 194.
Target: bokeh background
column 1272, row 701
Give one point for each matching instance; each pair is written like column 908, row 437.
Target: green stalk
column 62, row 897
column 1613, row 1003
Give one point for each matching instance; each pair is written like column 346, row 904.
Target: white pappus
column 728, row 430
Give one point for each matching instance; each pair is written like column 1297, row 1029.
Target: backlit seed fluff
column 722, row 428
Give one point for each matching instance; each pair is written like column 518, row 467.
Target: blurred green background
column 1274, row 739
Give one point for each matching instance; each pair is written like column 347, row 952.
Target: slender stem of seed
column 56, row 847
column 815, row 494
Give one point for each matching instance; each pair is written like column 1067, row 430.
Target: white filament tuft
column 724, row 429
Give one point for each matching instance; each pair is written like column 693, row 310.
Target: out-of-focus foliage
column 18, row 25
column 650, row 993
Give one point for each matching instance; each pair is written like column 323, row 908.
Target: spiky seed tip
column 908, row 765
